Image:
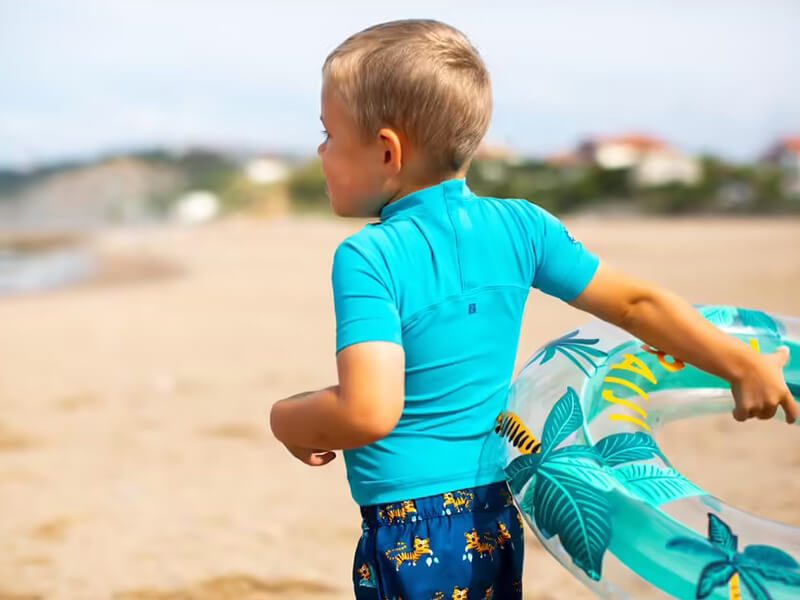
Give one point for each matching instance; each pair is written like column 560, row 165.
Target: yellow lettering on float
column 637, row 366
column 630, row 419
column 755, row 345
column 631, row 386
column 609, row 396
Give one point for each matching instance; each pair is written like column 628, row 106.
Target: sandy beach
column 135, row 456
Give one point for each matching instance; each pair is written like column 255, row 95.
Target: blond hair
column 419, row 76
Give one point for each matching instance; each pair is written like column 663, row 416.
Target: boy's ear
column 392, row 150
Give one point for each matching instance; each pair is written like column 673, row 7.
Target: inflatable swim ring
column 591, row 482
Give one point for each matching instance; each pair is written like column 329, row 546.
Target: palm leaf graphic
column 568, row 495
column 572, row 348
column 753, row 565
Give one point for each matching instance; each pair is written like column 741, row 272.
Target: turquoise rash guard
column 446, row 274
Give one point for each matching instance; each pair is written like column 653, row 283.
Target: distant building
column 785, row 154
column 566, row 160
column 493, row 160
column 496, row 152
column 652, row 161
column 266, row 170
column 197, row 206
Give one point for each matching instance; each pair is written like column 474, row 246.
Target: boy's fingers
column 768, row 412
column 782, row 355
column 790, row 408
column 741, row 413
column 317, row 460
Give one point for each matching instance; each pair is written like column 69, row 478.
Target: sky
column 80, row 78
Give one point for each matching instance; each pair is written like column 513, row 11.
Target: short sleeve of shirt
column 563, row 266
column 365, row 309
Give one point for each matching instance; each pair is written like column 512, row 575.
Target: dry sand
column 135, row 458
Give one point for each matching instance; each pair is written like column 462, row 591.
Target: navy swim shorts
column 466, row 544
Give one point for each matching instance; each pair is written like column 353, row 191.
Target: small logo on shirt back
column 473, row 308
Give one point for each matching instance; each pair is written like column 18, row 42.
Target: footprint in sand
column 54, row 530
column 78, row 401
column 11, row 440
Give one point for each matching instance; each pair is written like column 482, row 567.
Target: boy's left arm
column 668, row 322
column 368, row 401
column 364, row 407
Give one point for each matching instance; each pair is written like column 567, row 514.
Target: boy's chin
column 356, row 212
column 340, row 211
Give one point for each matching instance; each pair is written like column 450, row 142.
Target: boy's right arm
column 668, row 322
column 611, row 295
column 572, row 273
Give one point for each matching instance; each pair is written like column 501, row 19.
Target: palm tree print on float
column 566, row 495
column 569, row 487
column 573, row 348
column 731, row 568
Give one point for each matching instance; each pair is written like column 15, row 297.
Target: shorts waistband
column 488, row 497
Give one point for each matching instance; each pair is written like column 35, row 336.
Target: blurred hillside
column 139, row 188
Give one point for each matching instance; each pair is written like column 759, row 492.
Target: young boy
column 429, row 303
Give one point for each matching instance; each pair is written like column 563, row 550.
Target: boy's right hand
column 313, row 458
column 762, row 389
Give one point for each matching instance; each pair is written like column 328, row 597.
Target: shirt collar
column 449, row 188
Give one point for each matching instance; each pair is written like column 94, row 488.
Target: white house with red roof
column 652, row 161
column 785, row 154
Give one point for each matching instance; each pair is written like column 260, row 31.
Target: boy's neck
column 422, row 183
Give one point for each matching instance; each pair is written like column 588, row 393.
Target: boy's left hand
column 313, row 458
column 762, row 388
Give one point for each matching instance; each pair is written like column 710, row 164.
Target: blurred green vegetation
column 721, row 188
column 307, row 188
